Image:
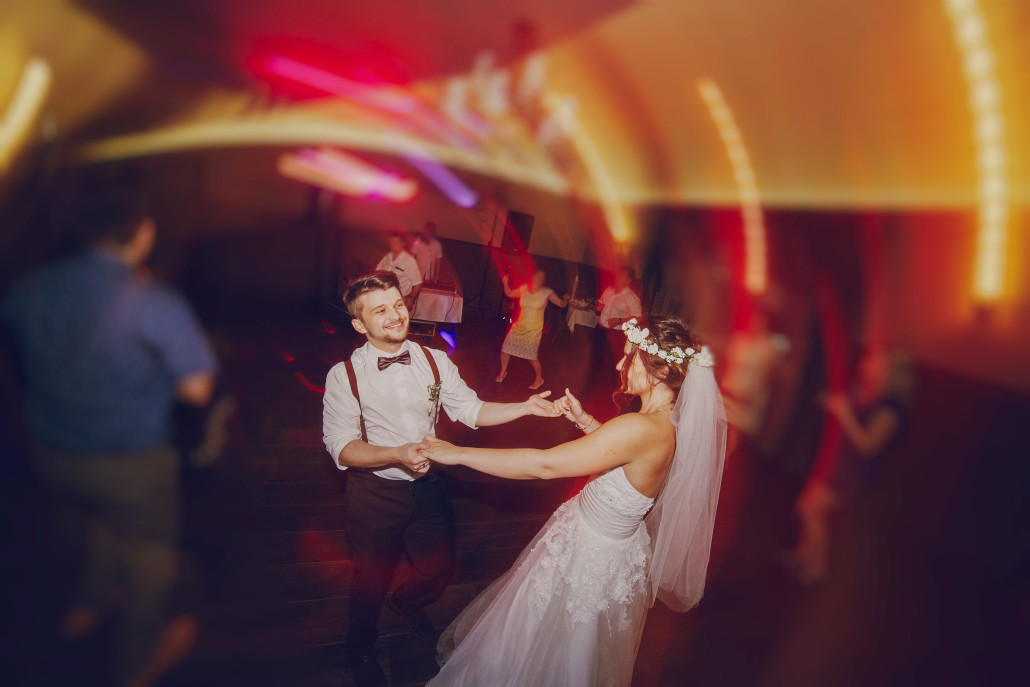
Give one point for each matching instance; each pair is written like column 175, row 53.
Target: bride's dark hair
column 668, row 331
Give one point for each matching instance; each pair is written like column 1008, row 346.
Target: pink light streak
column 448, row 183
column 342, row 173
column 338, row 85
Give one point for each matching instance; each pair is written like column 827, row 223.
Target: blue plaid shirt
column 101, row 350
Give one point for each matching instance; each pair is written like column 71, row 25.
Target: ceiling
column 838, row 103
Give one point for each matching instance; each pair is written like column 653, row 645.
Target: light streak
column 973, row 42
column 756, row 271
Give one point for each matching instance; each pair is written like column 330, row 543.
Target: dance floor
column 921, row 592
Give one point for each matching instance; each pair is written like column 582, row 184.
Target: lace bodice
column 612, row 507
column 597, row 551
column 571, row 610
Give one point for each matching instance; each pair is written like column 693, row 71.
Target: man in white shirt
column 428, row 253
column 405, row 268
column 617, row 304
column 393, row 506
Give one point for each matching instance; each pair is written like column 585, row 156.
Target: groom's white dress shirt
column 394, row 401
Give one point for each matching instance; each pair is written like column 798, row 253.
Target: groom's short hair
column 377, row 281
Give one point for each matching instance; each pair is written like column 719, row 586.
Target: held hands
column 413, row 457
column 569, row 406
column 439, row 451
column 537, row 405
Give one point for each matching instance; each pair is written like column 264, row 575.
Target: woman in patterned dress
column 523, row 340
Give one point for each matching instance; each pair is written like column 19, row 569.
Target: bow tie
column 404, row 359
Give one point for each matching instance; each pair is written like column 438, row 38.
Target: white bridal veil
column 683, row 517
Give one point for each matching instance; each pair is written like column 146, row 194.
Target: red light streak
column 307, row 384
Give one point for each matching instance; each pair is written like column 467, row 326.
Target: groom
column 378, row 407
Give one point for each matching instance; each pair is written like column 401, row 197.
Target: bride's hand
column 440, row 451
column 569, row 406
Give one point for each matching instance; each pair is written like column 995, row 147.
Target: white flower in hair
column 639, row 338
column 703, row 358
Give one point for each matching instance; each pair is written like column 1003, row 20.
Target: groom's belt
column 364, row 473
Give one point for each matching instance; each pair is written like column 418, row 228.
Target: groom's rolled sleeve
column 460, row 402
column 341, row 415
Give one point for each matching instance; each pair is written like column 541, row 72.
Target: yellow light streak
column 973, row 41
column 756, row 270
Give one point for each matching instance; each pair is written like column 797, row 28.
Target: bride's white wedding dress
column 571, row 610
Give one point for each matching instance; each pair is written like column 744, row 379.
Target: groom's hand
column 411, row 457
column 537, row 404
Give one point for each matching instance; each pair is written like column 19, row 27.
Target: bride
column 571, row 610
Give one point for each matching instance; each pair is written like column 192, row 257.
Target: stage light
column 971, row 36
column 755, row 263
column 23, row 109
column 448, row 337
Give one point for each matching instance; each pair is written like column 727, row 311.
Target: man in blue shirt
column 105, row 353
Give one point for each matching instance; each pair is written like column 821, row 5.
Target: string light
column 756, row 276
column 608, row 196
column 984, row 96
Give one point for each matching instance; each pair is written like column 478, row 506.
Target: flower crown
column 676, row 356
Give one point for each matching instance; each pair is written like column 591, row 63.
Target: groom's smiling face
column 383, row 317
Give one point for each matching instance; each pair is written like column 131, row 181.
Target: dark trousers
column 131, row 504
column 385, row 518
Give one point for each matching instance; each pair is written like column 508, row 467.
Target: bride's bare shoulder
column 640, row 426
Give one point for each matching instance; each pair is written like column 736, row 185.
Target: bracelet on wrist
column 583, row 427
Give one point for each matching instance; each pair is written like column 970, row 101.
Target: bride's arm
column 613, row 444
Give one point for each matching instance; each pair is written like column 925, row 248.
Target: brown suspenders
column 354, row 385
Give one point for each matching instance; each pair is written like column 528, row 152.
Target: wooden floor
column 267, row 569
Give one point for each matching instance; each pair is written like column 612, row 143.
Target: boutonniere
column 434, row 400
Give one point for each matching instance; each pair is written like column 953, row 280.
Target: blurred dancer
column 105, row 354
column 428, row 253
column 404, row 267
column 751, row 358
column 379, row 405
column 618, row 303
column 523, row 339
column 870, row 422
